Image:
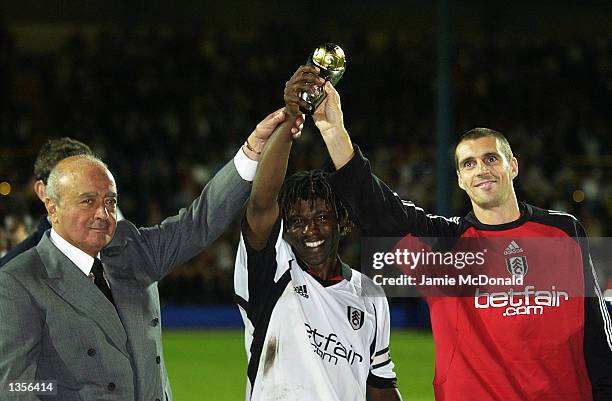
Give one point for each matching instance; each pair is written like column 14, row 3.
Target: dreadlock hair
column 311, row 185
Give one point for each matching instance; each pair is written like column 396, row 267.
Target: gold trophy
column 331, row 61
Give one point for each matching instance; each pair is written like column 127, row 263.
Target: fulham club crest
column 355, row 317
column 517, row 266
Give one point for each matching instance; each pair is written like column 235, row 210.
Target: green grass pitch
column 210, row 365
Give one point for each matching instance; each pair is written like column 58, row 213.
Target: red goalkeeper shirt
column 550, row 341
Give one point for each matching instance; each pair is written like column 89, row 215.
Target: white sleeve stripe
column 410, row 204
column 431, row 216
column 603, row 309
column 451, row 219
column 381, row 359
column 380, row 365
column 606, row 317
column 558, row 213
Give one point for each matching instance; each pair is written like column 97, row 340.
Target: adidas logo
column 513, row 248
column 301, row 290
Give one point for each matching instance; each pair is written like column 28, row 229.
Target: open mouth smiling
column 313, row 244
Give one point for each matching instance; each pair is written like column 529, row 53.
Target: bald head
column 82, row 202
column 69, row 169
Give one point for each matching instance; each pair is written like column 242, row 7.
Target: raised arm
column 262, row 207
column 330, row 122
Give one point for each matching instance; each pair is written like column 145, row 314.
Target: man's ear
column 39, row 189
column 514, row 166
column 51, row 206
column 460, row 181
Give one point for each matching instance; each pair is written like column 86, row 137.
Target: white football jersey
column 305, row 339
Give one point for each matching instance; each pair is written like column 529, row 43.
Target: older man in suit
column 82, row 308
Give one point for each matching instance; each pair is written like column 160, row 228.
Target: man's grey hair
column 52, row 190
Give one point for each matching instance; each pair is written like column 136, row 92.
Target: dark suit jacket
column 55, row 324
column 30, row 242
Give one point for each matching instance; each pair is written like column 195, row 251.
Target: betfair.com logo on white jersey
column 331, row 348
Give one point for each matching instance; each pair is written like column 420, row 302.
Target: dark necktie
column 98, row 272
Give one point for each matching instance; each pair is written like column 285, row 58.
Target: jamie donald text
column 446, row 280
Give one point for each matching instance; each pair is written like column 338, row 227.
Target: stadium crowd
column 166, row 107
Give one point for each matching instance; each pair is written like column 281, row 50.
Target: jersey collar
column 526, row 213
column 345, row 274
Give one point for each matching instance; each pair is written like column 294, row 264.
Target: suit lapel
column 80, row 292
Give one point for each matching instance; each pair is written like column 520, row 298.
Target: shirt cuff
column 245, row 166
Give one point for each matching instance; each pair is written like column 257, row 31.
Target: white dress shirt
column 245, row 166
column 83, row 261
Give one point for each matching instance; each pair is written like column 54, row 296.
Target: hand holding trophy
column 331, row 61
